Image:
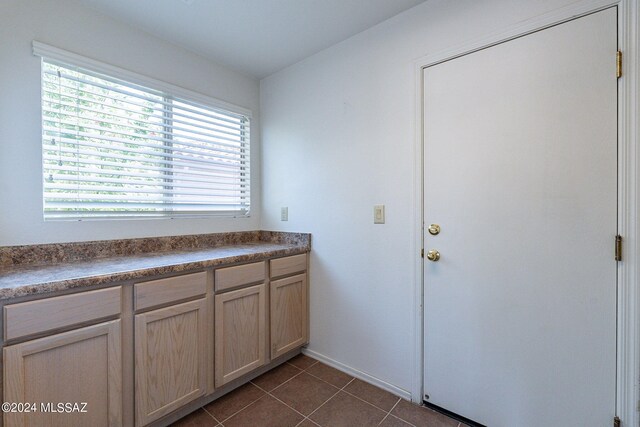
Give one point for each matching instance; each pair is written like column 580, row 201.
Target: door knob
column 434, row 229
column 433, row 255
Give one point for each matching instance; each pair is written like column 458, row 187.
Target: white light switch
column 378, row 214
column 284, row 213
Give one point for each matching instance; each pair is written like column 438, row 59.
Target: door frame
column 628, row 271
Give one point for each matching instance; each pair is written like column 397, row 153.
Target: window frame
column 68, row 59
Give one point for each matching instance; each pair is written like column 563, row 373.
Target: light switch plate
column 284, row 213
column 378, row 214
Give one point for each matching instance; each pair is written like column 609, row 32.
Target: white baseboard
column 359, row 374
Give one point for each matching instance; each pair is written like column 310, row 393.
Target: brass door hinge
column 618, row 253
column 619, row 64
column 616, row 421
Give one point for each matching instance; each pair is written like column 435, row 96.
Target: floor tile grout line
column 348, row 392
column 359, row 398
column 396, row 404
column 341, row 389
column 345, row 386
column 254, row 401
column 310, row 420
column 352, row 378
column 260, row 387
column 389, row 413
column 211, row 415
column 306, row 417
column 315, row 376
column 395, row 416
column 242, row 409
column 287, row 363
column 375, row 406
column 325, row 402
column 305, row 372
column 313, row 364
column 279, row 385
column 287, row 405
column 403, row 420
column 382, row 420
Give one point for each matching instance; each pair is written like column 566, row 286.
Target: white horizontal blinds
column 117, row 149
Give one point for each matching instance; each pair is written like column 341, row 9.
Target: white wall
column 338, row 132
column 67, row 25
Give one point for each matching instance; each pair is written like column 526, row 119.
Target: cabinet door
column 170, row 359
column 80, row 366
column 289, row 314
column 240, row 332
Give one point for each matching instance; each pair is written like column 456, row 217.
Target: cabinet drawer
column 288, row 265
column 47, row 314
column 163, row 291
column 231, row 277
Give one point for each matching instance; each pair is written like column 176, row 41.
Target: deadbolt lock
column 433, row 255
column 434, row 229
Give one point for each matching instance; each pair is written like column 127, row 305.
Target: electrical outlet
column 378, row 214
column 284, row 213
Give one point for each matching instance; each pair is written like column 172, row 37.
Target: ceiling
column 254, row 37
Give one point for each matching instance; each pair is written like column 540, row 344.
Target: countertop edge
column 56, row 286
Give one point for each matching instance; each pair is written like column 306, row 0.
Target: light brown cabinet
column 151, row 347
column 170, row 358
column 240, row 332
column 80, row 367
column 289, row 314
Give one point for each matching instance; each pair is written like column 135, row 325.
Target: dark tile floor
column 307, row 393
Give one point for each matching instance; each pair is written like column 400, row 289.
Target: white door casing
column 520, row 171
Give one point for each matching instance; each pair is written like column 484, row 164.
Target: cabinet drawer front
column 231, row 277
column 288, row 265
column 163, row 291
column 47, row 314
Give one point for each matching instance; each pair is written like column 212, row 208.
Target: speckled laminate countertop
column 41, row 269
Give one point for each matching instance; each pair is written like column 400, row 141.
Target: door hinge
column 619, row 64
column 616, row 421
column 618, row 254
column 422, row 253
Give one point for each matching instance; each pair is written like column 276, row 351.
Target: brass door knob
column 433, row 255
column 434, row 229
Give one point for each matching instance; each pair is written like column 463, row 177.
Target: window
column 113, row 148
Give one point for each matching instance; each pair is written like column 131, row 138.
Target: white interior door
column 520, row 166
